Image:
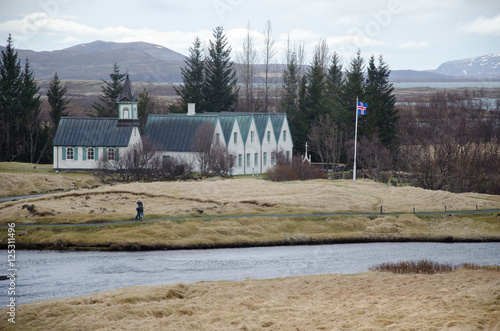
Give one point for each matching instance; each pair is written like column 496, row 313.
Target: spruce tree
column 289, row 101
column 298, row 125
column 57, row 101
column 144, row 108
column 219, row 89
column 107, row 105
column 10, row 90
column 30, row 108
column 382, row 116
column 334, row 82
column 192, row 77
column 353, row 87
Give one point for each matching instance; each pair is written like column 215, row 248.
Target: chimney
column 191, row 108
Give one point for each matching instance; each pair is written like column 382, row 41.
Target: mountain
column 147, row 62
column 484, row 66
column 143, row 61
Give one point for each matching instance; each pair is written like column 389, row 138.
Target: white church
column 253, row 139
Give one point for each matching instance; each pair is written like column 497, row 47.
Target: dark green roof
column 175, row 132
column 91, row 131
column 261, row 124
column 227, row 124
column 277, row 123
column 244, row 122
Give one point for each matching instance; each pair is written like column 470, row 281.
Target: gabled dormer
column 127, row 102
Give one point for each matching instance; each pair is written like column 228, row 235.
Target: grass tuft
column 427, row 267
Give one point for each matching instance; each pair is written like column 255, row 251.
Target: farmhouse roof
column 88, row 131
column 175, row 133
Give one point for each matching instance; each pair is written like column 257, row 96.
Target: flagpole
column 355, row 143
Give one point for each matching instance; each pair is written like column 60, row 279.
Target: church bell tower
column 127, row 102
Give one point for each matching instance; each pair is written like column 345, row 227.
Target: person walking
column 140, row 210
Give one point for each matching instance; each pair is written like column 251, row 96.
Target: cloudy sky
column 410, row 34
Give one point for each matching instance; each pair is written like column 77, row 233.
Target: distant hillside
column 144, row 62
column 152, row 63
column 484, row 66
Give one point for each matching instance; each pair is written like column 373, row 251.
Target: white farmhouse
column 251, row 138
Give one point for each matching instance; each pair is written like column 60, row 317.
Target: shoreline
column 133, row 246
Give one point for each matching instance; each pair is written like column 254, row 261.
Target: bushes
column 297, row 170
column 426, row 267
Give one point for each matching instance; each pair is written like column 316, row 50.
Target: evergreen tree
column 352, row 89
column 298, row 124
column 289, row 101
column 144, row 108
column 382, row 116
column 335, row 79
column 219, row 90
column 316, row 89
column 57, row 101
column 314, row 94
column 192, row 77
column 30, row 108
column 10, row 89
column 107, row 105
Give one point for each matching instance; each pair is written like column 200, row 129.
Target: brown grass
column 217, row 197
column 258, row 231
column 460, row 300
column 26, row 179
column 237, row 197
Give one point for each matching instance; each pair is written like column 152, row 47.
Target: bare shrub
column 141, row 164
column 414, row 267
column 450, row 142
column 297, row 170
column 212, row 156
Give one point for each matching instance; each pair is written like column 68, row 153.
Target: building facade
column 80, row 142
column 252, row 139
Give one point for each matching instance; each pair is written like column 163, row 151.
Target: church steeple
column 127, row 102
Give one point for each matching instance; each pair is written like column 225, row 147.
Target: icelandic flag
column 361, row 107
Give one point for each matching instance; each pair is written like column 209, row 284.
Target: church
column 253, row 139
column 80, row 142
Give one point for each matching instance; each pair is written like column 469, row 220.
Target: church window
column 111, row 154
column 90, row 153
column 69, row 153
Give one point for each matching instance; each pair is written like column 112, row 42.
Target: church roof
column 126, row 94
column 91, row 131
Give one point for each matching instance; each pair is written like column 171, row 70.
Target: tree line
column 24, row 137
column 319, row 98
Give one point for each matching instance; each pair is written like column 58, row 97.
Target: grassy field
column 462, row 299
column 459, row 300
column 26, row 179
column 232, row 198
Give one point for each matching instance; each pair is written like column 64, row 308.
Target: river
column 44, row 275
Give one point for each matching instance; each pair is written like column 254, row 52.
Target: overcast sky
column 410, row 34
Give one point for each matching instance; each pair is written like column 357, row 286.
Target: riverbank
column 262, row 231
column 463, row 299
